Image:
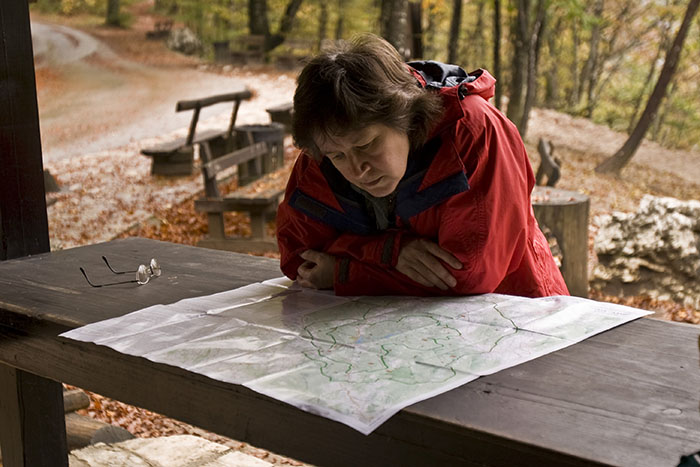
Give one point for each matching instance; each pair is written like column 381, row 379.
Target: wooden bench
column 176, row 157
column 260, row 205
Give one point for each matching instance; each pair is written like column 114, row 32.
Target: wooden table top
column 628, row 396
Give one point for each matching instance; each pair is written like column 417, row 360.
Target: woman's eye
column 364, row 147
column 336, row 156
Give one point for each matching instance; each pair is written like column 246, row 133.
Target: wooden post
column 23, row 222
column 565, row 213
column 32, row 427
column 33, row 430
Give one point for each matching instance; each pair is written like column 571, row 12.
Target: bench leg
column 32, row 428
column 216, row 225
column 258, row 225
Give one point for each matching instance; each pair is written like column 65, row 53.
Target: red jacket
column 468, row 189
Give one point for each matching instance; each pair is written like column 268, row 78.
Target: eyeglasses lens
column 155, row 268
column 143, row 275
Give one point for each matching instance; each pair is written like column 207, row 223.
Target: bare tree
column 535, row 44
column 113, row 16
column 322, row 23
column 339, row 25
column 259, row 24
column 498, row 98
column 616, row 162
column 455, row 26
column 588, row 73
column 416, row 10
column 394, row 25
column 519, row 68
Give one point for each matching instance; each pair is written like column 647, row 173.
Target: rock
column 178, row 450
column 183, row 40
column 653, row 251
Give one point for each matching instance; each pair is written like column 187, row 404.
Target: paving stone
column 170, row 451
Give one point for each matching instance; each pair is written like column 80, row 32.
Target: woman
column 409, row 182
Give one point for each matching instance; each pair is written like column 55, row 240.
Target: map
column 356, row 360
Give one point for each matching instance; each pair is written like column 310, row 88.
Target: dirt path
column 90, row 99
column 98, row 107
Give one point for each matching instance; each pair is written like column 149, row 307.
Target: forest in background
column 599, row 59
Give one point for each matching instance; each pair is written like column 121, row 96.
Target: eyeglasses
column 143, row 273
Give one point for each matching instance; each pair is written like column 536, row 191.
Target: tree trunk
column 498, row 98
column 286, row 24
column 519, row 68
column 587, row 74
column 615, row 163
column 477, row 55
column 660, row 118
column 574, row 96
column 416, row 10
column 455, row 26
column 257, row 18
column 322, row 24
column 551, row 98
column 663, row 44
column 339, row 26
column 394, row 25
column 430, row 32
column 113, row 13
column 535, row 44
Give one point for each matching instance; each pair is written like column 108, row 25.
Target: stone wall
column 653, row 251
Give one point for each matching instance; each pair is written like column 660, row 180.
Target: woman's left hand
column 317, row 271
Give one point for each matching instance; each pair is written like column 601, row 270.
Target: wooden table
column 628, row 396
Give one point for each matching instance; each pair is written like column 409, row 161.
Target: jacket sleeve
column 488, row 227
column 297, row 232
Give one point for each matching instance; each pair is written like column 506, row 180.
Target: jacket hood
column 437, row 75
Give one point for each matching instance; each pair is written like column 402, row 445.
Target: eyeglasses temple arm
column 103, row 285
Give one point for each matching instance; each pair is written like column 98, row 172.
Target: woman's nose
column 359, row 165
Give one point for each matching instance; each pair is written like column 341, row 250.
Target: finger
column 305, row 269
column 311, row 255
column 433, row 278
column 414, row 274
column 444, row 255
column 434, row 270
column 306, row 283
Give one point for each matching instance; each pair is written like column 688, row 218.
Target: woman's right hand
column 422, row 261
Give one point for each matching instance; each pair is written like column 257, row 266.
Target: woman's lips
column 374, row 182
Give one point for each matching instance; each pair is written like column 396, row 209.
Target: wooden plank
column 240, row 244
column 219, row 164
column 30, row 284
column 625, row 397
column 266, row 201
column 23, row 219
column 543, row 412
column 211, row 100
column 32, row 432
column 237, row 412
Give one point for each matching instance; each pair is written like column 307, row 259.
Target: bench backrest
column 198, row 104
column 213, row 167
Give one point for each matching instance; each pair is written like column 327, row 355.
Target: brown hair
column 357, row 84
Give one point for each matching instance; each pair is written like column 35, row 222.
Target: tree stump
column 565, row 214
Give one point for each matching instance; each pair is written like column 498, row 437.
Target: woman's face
column 373, row 158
